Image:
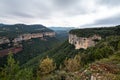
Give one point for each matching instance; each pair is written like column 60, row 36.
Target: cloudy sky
column 74, row 13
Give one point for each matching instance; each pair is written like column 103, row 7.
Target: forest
column 64, row 62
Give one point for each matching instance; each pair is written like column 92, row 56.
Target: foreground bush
column 46, row 66
column 72, row 64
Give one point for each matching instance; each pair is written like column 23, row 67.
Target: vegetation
column 12, row 71
column 12, row 31
column 105, row 31
column 33, row 48
column 65, row 63
column 46, row 66
column 72, row 65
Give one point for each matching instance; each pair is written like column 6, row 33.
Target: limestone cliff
column 33, row 35
column 83, row 42
column 4, row 40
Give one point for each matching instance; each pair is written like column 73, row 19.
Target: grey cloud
column 65, row 3
column 110, row 3
column 71, row 7
column 24, row 15
column 114, row 20
column 40, row 9
column 48, row 9
column 25, row 8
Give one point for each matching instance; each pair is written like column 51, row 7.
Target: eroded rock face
column 33, row 35
column 4, row 40
column 83, row 42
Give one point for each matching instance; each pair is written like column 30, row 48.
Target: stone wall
column 83, row 42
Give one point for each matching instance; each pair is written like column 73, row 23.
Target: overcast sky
column 74, row 13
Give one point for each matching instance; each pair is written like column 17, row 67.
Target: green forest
column 12, row 31
column 62, row 61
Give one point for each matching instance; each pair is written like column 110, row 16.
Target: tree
column 118, row 45
column 10, row 70
column 72, row 64
column 46, row 66
column 25, row 74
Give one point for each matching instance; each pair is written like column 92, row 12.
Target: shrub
column 72, row 64
column 46, row 66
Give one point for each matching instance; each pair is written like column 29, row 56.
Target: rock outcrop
column 83, row 42
column 33, row 35
column 4, row 40
column 28, row 36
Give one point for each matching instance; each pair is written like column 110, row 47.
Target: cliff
column 13, row 31
column 84, row 38
column 83, row 42
column 28, row 36
column 4, row 40
column 33, row 35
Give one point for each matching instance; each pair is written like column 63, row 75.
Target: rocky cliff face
column 28, row 36
column 83, row 42
column 4, row 40
column 33, row 35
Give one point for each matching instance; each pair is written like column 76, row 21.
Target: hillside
column 103, row 31
column 26, row 41
column 12, row 31
column 106, row 46
column 100, row 61
column 33, row 48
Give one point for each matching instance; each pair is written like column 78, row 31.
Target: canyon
column 16, row 43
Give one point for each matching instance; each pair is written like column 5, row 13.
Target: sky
column 64, row 13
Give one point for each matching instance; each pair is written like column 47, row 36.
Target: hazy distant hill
column 61, row 28
column 62, row 32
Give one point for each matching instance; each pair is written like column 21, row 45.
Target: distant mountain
column 17, row 29
column 61, row 28
column 1, row 24
column 62, row 32
column 23, row 27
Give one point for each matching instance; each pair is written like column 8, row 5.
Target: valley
column 81, row 54
column 59, row 39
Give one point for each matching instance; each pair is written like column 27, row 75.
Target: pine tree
column 10, row 70
column 118, row 45
column 25, row 74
